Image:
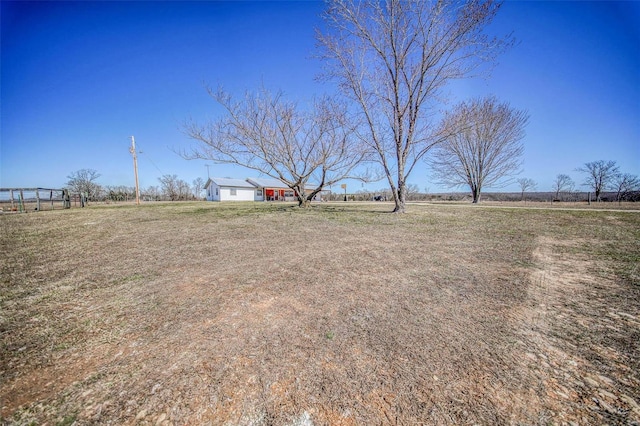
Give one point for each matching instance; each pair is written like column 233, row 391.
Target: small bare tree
column 152, row 193
column 600, row 175
column 170, row 187
column 83, row 182
column 624, row 184
column 267, row 133
column 392, row 58
column 485, row 146
column 198, row 187
column 526, row 184
column 562, row 183
column 413, row 192
column 184, row 190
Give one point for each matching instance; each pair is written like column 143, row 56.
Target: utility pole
column 207, row 166
column 132, row 150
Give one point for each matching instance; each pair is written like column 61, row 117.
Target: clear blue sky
column 77, row 79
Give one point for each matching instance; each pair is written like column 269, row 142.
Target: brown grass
column 203, row 313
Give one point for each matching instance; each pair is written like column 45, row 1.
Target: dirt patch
column 582, row 348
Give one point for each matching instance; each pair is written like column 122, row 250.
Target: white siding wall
column 242, row 194
column 215, row 192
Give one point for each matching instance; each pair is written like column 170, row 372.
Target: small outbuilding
column 226, row 189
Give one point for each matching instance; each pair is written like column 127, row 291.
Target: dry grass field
column 342, row 314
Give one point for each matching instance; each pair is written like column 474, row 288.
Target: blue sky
column 78, row 79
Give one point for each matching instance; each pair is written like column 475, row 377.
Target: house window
column 233, row 191
column 259, row 192
column 288, row 194
column 216, row 192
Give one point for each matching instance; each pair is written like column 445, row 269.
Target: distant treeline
column 383, row 195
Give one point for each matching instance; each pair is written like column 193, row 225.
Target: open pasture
column 341, row 314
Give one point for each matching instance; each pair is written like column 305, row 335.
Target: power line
column 150, row 160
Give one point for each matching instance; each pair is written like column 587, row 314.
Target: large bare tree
column 265, row 132
column 84, row 181
column 175, row 189
column 599, row 175
column 485, row 147
column 392, row 59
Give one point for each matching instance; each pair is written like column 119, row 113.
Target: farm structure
column 251, row 189
column 22, row 200
column 226, row 189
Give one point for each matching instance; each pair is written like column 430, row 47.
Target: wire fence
column 25, row 200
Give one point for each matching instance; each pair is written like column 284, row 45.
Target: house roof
column 227, row 182
column 251, row 183
column 267, row 183
column 274, row 183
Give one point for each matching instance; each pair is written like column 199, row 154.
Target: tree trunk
column 400, row 197
column 303, row 203
column 304, row 200
column 476, row 195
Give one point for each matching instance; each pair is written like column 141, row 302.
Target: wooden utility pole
column 132, row 150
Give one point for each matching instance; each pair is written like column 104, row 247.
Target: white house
column 225, row 189
column 251, row 189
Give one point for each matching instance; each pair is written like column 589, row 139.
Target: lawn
column 258, row 313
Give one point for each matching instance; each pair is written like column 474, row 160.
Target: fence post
column 37, row 200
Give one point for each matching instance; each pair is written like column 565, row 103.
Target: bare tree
column 484, row 148
column 83, row 181
column 198, row 187
column 152, row 193
column 169, row 186
column 276, row 137
column 600, row 175
column 526, row 184
column 562, row 183
column 624, row 184
column 184, row 190
column 393, row 58
column 121, row 193
column 413, row 192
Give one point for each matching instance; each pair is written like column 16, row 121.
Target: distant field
column 342, row 314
